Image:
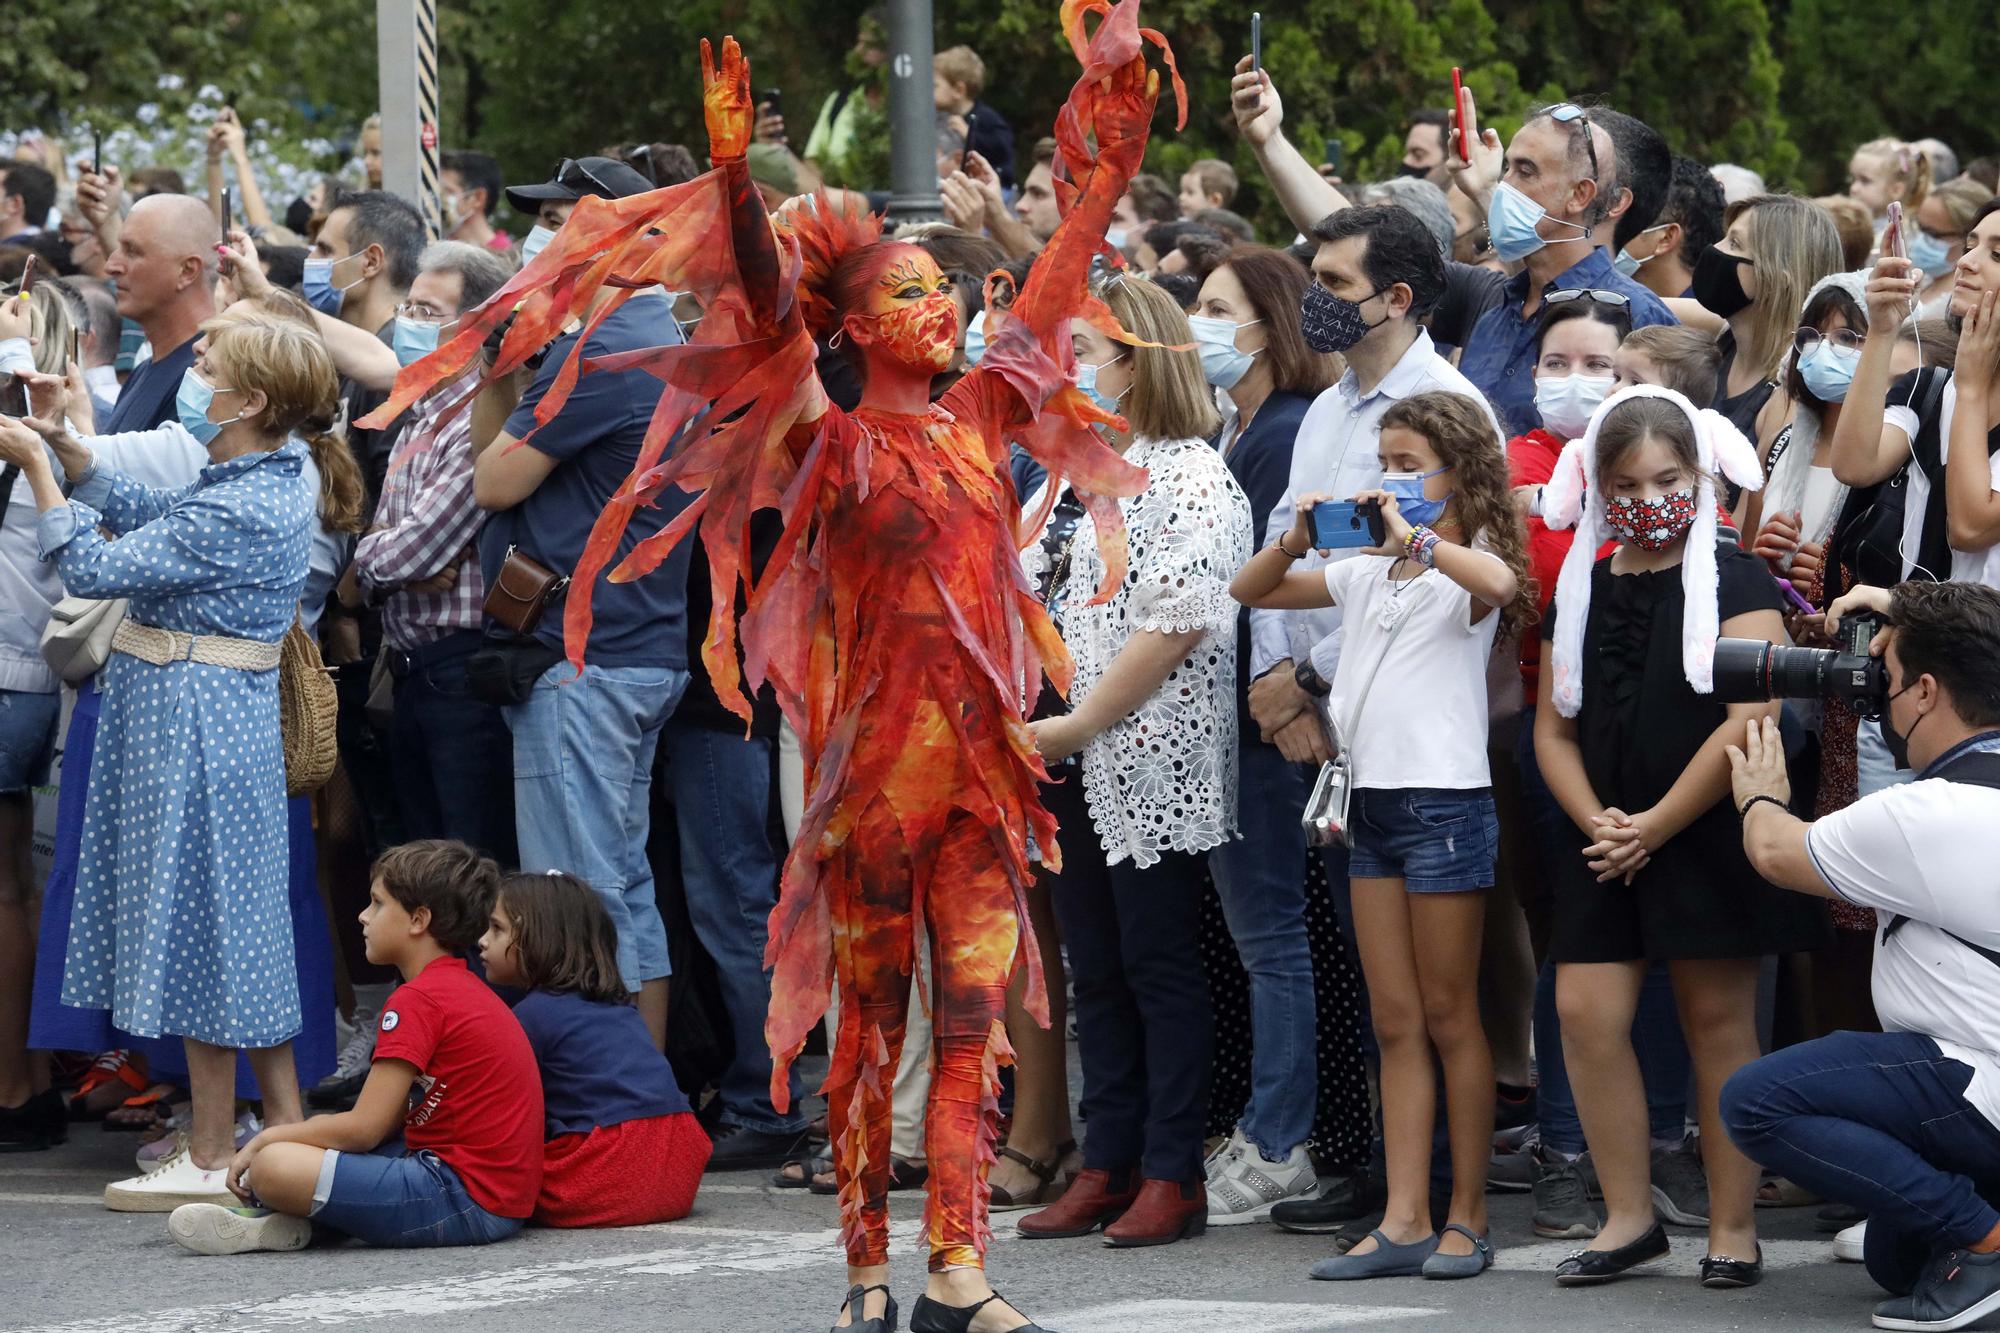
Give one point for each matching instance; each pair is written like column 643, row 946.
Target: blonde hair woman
column 181, row 924
column 1143, row 758
column 1883, row 171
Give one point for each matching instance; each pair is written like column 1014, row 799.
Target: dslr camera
column 1751, row 670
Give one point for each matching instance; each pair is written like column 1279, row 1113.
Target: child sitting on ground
column 453, row 1075
column 623, row 1148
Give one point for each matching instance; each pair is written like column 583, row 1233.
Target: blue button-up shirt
column 1500, row 354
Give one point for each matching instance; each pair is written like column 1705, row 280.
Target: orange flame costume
column 893, row 619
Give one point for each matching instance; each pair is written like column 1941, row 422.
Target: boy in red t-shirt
column 454, row 1076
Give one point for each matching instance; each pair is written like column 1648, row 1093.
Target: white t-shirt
column 1423, row 722
column 1966, row 566
column 1926, row 851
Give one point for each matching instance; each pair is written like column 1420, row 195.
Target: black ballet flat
column 1723, row 1274
column 1588, row 1267
column 882, row 1323
column 929, row 1316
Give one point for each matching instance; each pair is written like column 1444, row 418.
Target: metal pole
column 912, row 116
column 406, row 47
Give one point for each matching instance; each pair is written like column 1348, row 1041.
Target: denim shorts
column 1435, row 840
column 27, row 738
column 402, row 1202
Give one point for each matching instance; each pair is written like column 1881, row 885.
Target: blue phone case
column 1337, row 525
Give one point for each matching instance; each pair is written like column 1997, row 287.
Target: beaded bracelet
column 1421, row 546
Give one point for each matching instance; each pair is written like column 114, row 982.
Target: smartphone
column 28, row 275
column 1336, row 153
column 1464, row 121
column 13, row 398
column 1347, row 524
column 1892, row 235
column 227, row 216
column 965, row 153
column 96, row 151
column 773, row 101
column 1256, row 42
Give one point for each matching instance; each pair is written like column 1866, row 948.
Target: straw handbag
column 307, row 709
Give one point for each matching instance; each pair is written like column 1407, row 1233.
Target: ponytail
column 341, row 491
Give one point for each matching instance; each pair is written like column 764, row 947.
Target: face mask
column 1408, row 488
column 1898, row 742
column 922, row 335
column 1407, row 170
column 975, row 340
column 1650, row 525
column 537, row 240
column 320, row 293
column 191, row 406
column 1221, row 361
column 1927, row 252
column 1566, row 402
column 1716, row 283
column 1626, row 264
column 414, row 340
column 1333, row 323
column 1513, row 219
column 1828, row 370
column 1115, row 237
column 1086, row 380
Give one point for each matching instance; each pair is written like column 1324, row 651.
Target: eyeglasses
column 570, row 172
column 1847, row 340
column 1569, row 113
column 1597, row 294
column 423, row 314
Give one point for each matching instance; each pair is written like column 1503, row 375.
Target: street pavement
column 763, row 1260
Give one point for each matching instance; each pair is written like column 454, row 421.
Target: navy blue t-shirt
column 147, row 399
column 596, row 439
column 598, row 1063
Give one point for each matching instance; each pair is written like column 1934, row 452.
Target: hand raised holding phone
column 1475, row 170
column 1254, row 99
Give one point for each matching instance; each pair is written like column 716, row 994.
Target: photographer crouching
column 1904, row 1123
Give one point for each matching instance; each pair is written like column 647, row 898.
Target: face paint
column 921, row 334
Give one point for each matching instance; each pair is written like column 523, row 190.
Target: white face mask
column 1566, row 402
column 537, row 241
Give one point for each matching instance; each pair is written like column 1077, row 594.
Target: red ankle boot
column 1164, row 1212
column 1093, row 1198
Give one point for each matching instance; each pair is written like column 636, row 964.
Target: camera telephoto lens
column 1750, row 670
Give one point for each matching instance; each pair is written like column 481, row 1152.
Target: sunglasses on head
column 1569, row 113
column 573, row 175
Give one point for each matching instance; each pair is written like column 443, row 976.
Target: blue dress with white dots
column 182, row 925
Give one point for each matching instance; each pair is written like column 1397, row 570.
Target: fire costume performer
column 893, row 619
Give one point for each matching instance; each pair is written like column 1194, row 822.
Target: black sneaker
column 1957, row 1288
column 336, row 1094
column 1339, row 1201
column 36, row 1125
column 739, row 1149
column 1562, row 1200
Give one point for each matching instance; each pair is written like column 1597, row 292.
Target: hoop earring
column 839, row 336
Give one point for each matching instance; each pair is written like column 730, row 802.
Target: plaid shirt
column 426, row 518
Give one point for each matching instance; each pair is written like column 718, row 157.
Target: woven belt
column 149, row 643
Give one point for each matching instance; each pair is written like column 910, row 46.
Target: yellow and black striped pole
column 430, row 199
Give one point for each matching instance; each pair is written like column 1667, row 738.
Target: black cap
column 605, row 177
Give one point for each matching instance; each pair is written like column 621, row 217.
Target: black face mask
column 1899, row 741
column 1717, row 284
column 1407, row 170
column 1333, row 323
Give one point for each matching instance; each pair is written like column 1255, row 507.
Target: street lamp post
column 912, row 116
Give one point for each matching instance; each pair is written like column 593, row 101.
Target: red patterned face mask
column 1652, row 524
column 923, row 334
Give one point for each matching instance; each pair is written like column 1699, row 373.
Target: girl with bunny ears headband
column 1575, row 498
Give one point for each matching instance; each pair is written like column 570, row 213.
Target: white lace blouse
column 1163, row 779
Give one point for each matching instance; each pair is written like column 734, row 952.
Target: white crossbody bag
column 1325, row 819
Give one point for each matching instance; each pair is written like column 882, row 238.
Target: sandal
column 904, row 1174
column 1004, row 1200
column 137, row 1114
column 800, row 1172
column 112, row 1077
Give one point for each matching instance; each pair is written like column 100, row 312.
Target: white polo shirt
column 1927, row 851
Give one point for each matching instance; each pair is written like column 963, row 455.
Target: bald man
column 164, row 269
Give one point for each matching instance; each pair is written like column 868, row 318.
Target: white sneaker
column 210, row 1228
column 1244, row 1184
column 175, row 1181
column 1847, row 1245
column 248, row 1126
column 358, row 1051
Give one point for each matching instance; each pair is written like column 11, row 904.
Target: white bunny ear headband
column 1574, row 498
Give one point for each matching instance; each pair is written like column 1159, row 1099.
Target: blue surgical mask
column 537, row 240
column 1408, row 488
column 1221, row 361
column 1566, row 402
column 320, row 293
column 1626, row 263
column 414, row 339
column 191, row 404
column 1086, row 380
column 975, row 340
column 1928, row 253
column 1512, row 219
column 1115, row 237
column 1828, row 370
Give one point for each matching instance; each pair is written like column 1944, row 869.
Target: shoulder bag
column 1325, row 817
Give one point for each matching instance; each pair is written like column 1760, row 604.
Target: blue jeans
column 403, row 1201
column 454, row 758
column 583, row 781
column 1878, row 1120
column 1261, row 881
column 1664, row 1065
column 1435, row 840
column 729, row 870
column 27, row 738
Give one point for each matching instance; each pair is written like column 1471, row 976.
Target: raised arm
column 1971, row 506
column 1865, row 449
column 1304, row 194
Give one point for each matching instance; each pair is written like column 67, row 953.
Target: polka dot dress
column 182, row 925
column 1341, row 1126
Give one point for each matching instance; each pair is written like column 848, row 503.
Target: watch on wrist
column 1311, row 681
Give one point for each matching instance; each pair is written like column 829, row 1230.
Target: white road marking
column 1685, row 1261
column 9, row 1197
column 1229, row 1316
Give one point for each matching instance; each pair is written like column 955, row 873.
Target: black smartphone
column 965, row 153
column 1256, row 41
column 773, row 101
column 96, row 151
column 226, row 214
column 1335, row 155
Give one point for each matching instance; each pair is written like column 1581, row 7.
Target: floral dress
column 181, row 924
